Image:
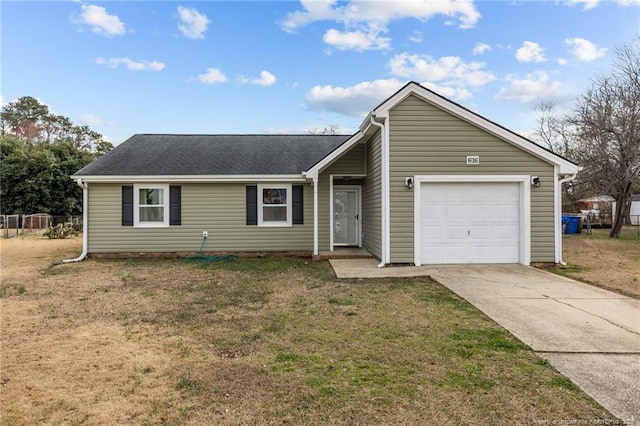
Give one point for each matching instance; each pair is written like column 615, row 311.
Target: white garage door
column 469, row 222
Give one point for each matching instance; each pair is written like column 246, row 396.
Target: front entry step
column 345, row 253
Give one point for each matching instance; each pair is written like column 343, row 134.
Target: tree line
column 38, row 152
column 602, row 134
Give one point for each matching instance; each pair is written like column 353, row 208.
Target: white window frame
column 289, row 205
column 136, row 206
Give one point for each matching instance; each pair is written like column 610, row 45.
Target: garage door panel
column 482, row 232
column 505, row 233
column 436, row 231
column 505, row 254
column 434, row 211
column 453, row 211
column 458, row 252
column 470, row 222
column 480, row 254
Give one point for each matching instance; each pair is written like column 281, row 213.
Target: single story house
column 598, row 210
column 634, row 212
column 423, row 181
column 634, row 209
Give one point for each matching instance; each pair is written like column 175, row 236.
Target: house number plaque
column 473, row 160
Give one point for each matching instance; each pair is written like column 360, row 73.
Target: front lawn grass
column 282, row 341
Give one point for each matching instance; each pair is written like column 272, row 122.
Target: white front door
column 346, row 216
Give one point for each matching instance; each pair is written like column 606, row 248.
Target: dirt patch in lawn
column 610, row 263
column 255, row 341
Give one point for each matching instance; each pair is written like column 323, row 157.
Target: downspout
column 383, row 195
column 315, row 215
column 85, row 223
column 560, row 182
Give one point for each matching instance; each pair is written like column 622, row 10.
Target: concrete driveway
column 590, row 335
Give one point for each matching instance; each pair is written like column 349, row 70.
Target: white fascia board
column 333, row 156
column 564, row 166
column 193, row 178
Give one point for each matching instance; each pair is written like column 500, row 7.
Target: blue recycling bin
column 570, row 223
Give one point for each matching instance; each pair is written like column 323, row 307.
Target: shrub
column 63, row 230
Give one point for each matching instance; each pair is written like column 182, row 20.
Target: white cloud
column 481, row 48
column 530, row 52
column 562, row 61
column 91, row 120
column 592, row 4
column 212, row 76
column 193, row 24
column 586, row 4
column 458, row 93
column 266, row 79
column 356, row 40
column 416, row 37
column 534, row 86
column 100, row 21
column 130, row 64
column 380, row 13
column 449, row 70
column 321, row 10
column 356, row 100
column 369, row 18
column 583, row 50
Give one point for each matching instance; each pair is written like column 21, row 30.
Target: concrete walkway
column 590, row 335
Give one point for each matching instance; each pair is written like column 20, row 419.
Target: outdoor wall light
column 535, row 181
column 408, row 182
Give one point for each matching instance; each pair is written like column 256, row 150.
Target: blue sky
column 299, row 67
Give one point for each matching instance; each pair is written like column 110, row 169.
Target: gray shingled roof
column 166, row 155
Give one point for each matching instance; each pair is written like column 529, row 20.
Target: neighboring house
column 600, row 202
column 597, row 210
column 634, row 209
column 423, row 181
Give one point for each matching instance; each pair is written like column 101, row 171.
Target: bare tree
column 331, row 130
column 555, row 131
column 607, row 120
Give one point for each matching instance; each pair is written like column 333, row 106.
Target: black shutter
column 175, row 205
column 127, row 206
column 298, row 204
column 252, row 205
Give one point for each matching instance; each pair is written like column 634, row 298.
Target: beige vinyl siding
column 372, row 199
column 218, row 208
column 351, row 163
column 425, row 140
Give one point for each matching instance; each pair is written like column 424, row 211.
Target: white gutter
column 383, row 195
column 85, row 223
column 559, row 218
column 191, row 178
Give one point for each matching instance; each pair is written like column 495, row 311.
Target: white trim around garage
column 524, row 182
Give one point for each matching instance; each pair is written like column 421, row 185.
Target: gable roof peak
column 456, row 109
